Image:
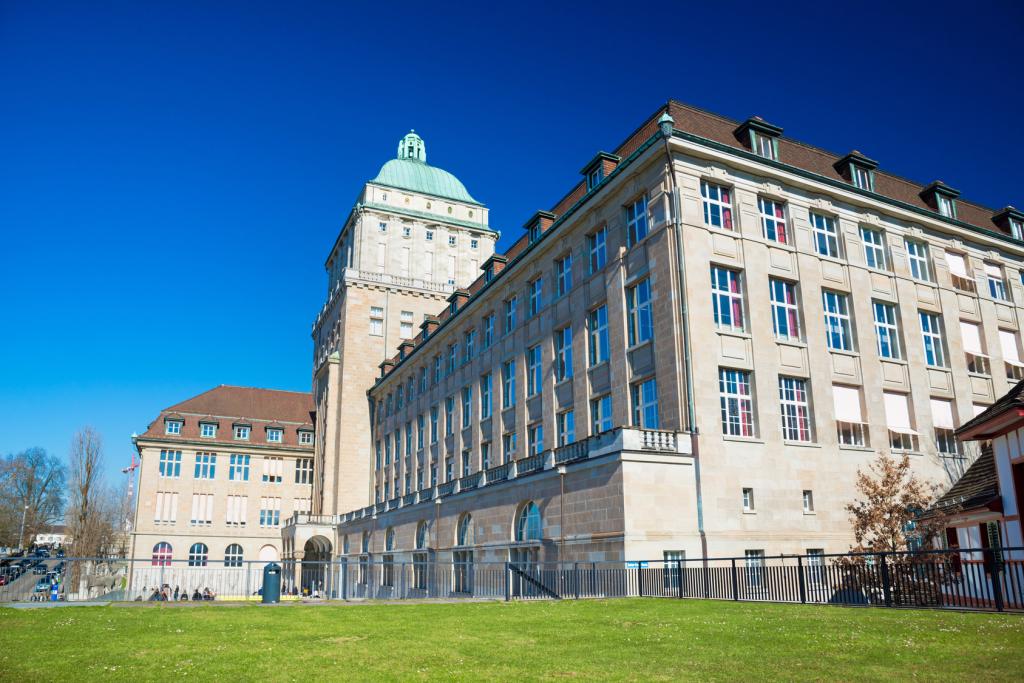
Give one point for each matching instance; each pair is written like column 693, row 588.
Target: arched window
column 464, row 533
column 421, row 535
column 233, row 555
column 389, row 539
column 528, row 524
column 366, row 542
column 198, row 554
column 162, row 554
column 268, row 553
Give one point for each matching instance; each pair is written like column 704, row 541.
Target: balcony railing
column 573, row 451
column 656, row 440
column 496, row 474
column 530, row 464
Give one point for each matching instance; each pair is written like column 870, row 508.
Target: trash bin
column 272, row 583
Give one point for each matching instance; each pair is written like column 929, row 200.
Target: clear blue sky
column 173, row 174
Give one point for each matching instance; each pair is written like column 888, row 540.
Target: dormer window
column 207, row 430
column 1017, row 229
column 858, row 170
column 172, row 427
column 274, row 435
column 941, row 198
column 598, row 168
column 594, row 178
column 761, row 136
column 242, row 432
column 488, row 273
column 862, row 178
column 305, row 437
column 1011, row 221
column 534, row 232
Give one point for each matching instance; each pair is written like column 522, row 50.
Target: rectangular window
column 563, row 275
column 601, row 414
column 433, row 424
column 931, row 335
column 977, row 360
column 917, row 256
column 727, row 298
column 449, row 468
column 470, row 346
column 273, row 470
column 773, row 220
column 996, row 283
column 536, row 296
column 206, row 465
column 566, row 427
column 837, row 320
column 887, row 332
column 754, row 567
column 594, row 177
column 1016, row 229
column 638, row 311
column 785, row 313
column 510, row 314
column 736, row 402
column 270, row 512
column 304, row 471
column 508, row 384
column 166, row 511
column 466, row 463
column 902, row 436
column 563, row 354
column 382, row 226
column 533, row 371
column 172, row 427
column 862, row 178
column 207, row 430
column 536, row 434
column 430, row 235
column 946, row 206
column 636, row 221
column 170, row 464
column 449, row 415
column 748, row 500
column 405, row 330
column 958, row 274
column 452, row 240
column 421, row 431
column 377, row 321
column 423, row 379
column 467, row 406
column 305, row 438
column 850, row 426
column 793, row 404
column 486, row 405
column 597, row 247
column 202, row 509
column 387, row 451
column 408, row 442
column 453, row 354
column 1011, row 355
column 808, row 499
column 238, row 467
column 437, row 368
column 946, row 442
column 717, row 202
column 508, row 447
column 597, row 333
column 826, row 241
column 274, row 435
column 644, row 397
column 764, row 145
column 874, row 248
column 488, row 330
column 485, row 455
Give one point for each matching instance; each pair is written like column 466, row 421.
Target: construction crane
column 130, row 471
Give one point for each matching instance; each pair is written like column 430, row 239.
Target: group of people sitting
column 164, row 594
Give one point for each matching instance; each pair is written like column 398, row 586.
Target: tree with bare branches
column 93, row 506
column 31, row 482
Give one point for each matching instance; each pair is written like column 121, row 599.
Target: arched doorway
column 316, row 560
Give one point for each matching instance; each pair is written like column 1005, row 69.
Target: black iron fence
column 983, row 579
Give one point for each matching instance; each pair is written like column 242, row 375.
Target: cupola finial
column 412, row 147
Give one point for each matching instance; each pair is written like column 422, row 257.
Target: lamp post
column 21, row 534
column 561, row 513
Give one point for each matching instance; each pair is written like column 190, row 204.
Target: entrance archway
column 316, row 560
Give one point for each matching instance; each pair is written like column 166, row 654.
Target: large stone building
column 692, row 353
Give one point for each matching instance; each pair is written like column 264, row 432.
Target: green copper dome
column 410, row 171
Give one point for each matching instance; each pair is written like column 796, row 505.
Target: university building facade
column 692, row 353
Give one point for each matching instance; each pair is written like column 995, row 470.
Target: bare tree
column 31, row 482
column 92, row 504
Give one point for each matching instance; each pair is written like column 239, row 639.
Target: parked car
column 3, row 579
column 42, row 586
column 39, row 569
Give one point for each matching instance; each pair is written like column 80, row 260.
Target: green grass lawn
column 636, row 639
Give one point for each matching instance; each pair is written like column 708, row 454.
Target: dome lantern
column 412, row 147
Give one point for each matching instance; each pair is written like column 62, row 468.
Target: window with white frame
column 202, row 509
column 1016, row 229
column 469, row 349
column 536, row 296
column 242, row 432
column 594, row 177
column 727, row 298
column 405, row 325
column 874, row 248
column 533, row 371
column 423, row 379
column 795, row 409
column 535, row 432
column 449, row 415
column 902, row 436
column 237, row 510
column 958, row 273
column 597, row 335
column 305, row 437
column 453, row 355
column 274, row 435
column 207, row 430
column 563, row 275
column 764, row 145
column 508, row 383
column 1009, row 344
column 170, row 464
column 452, row 240
column 946, row 205
column 785, row 311
column 437, row 369
column 736, row 402
column 748, row 499
column 270, row 512
column 421, row 431
column 931, row 335
column 508, row 446
column 773, row 220
column 433, row 424
column 601, row 414
column 172, row 427
column 636, row 221
column 754, row 567
column 717, row 202
column 238, row 467
column 273, row 469
column 838, row 332
column 996, row 283
column 198, row 555
column 826, row 239
column 808, row 501
column 887, row 333
column 510, row 314
column 977, row 360
column 638, row 312
column 566, row 421
column 467, row 406
column 377, row 321
column 430, row 235
column 166, row 510
column 486, row 404
column 206, row 465
column 917, row 257
column 563, row 354
column 644, row 399
column 862, row 178
column 850, row 426
column 304, row 471
column 946, row 442
column 597, row 248
column 488, row 330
